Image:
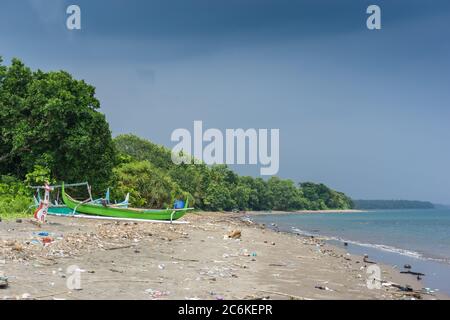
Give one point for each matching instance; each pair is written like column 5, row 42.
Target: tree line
column 51, row 129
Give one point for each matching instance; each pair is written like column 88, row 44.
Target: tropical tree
column 52, row 120
column 148, row 186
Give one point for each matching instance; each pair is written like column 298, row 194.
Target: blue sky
column 366, row 112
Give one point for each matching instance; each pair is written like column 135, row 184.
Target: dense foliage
column 214, row 187
column 52, row 130
column 392, row 204
column 52, row 120
column 15, row 197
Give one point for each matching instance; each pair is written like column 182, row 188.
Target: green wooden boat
column 96, row 209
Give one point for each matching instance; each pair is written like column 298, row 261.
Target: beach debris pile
column 47, row 245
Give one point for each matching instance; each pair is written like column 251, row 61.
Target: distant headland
column 391, row 204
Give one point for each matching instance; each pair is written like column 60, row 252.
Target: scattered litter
column 162, row 266
column 19, row 220
column 155, row 294
column 216, row 271
column 407, row 266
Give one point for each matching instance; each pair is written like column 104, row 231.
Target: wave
column 383, row 247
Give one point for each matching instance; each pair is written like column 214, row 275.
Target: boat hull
column 130, row 213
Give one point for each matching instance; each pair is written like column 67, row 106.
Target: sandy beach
column 197, row 260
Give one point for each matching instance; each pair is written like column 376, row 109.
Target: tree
column 320, row 197
column 218, row 198
column 52, row 120
column 148, row 186
column 141, row 149
column 284, row 194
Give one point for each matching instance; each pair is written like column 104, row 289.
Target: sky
column 364, row 111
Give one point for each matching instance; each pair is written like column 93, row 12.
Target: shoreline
column 256, row 213
column 144, row 261
column 388, row 270
column 395, row 273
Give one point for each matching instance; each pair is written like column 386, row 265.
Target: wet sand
column 127, row 260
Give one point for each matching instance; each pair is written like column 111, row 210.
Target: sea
column 419, row 238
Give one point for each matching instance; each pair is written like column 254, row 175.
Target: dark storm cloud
column 365, row 112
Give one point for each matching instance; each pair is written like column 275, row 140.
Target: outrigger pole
column 66, row 185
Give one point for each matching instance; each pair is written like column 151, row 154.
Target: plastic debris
column 323, row 288
column 155, row 294
column 26, row 296
column 4, row 282
column 43, row 234
column 47, row 240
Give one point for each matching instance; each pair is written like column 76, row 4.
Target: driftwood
column 366, row 260
column 413, row 273
column 117, row 248
column 52, row 295
column 187, row 260
column 285, row 295
column 402, row 288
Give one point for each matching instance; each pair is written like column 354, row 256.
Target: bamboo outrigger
column 106, row 210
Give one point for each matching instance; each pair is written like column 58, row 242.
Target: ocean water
column 420, row 238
